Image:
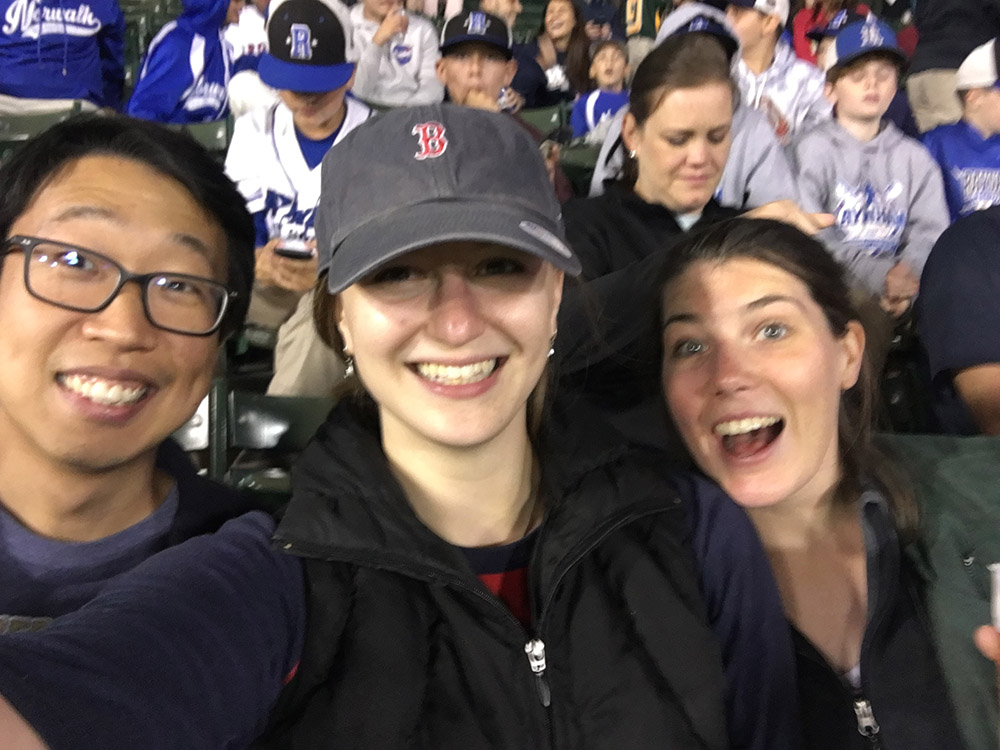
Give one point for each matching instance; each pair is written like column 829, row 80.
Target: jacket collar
column 347, row 506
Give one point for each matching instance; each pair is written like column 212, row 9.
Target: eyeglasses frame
column 27, row 244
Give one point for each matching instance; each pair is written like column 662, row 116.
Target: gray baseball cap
column 411, row 178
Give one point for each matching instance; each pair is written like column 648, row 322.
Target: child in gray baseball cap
column 484, row 572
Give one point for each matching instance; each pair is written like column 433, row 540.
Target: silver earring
column 552, row 344
column 631, row 154
column 348, row 365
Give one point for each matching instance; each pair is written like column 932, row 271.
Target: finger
column 988, row 642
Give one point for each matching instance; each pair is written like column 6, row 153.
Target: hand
column 286, row 273
column 395, row 22
column 480, row 100
column 512, row 100
column 791, row 213
column 552, row 161
column 988, row 642
column 901, row 286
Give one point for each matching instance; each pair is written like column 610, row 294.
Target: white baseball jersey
column 266, row 163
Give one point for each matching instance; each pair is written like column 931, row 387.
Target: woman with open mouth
column 768, row 383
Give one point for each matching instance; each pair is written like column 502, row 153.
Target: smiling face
column 753, row 377
column 863, row 92
column 682, row 146
column 98, row 390
column 451, row 340
column 559, row 19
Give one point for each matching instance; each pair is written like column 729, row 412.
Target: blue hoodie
column 186, row 71
column 63, row 49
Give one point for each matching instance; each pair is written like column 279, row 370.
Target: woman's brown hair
column 685, row 61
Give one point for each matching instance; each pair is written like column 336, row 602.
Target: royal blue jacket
column 186, row 70
column 970, row 164
column 63, row 49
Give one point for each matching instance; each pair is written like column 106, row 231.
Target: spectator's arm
column 819, row 110
column 770, row 176
column 111, row 47
column 165, row 76
column 16, row 732
column 366, row 73
column 979, row 388
column 430, row 90
column 928, row 214
column 189, row 649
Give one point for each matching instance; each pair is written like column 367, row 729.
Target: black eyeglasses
column 75, row 278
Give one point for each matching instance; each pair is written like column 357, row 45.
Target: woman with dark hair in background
column 554, row 67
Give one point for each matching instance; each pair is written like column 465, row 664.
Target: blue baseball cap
column 862, row 38
column 307, row 47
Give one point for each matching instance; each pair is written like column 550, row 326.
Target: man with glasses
column 126, row 258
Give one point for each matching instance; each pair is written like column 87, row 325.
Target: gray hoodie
column 757, row 170
column 887, row 195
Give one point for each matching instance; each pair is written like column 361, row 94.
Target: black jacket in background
column 609, row 347
column 950, row 29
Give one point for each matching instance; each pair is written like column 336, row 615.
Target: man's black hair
column 172, row 153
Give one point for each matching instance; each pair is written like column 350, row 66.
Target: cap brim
column 421, row 225
column 891, row 51
column 455, row 41
column 289, row 76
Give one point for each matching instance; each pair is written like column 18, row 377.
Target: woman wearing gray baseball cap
column 485, row 572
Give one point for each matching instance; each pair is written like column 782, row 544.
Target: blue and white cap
column 862, row 38
column 778, row 8
column 477, row 26
column 696, row 17
column 980, row 69
column 309, row 46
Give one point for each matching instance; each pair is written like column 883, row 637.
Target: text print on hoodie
column 186, row 71
column 887, row 195
column 63, row 49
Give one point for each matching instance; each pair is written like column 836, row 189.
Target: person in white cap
column 772, row 79
column 969, row 150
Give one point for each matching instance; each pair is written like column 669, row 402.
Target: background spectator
column 397, row 53
column 948, row 30
column 608, row 72
column 248, row 41
column 884, row 188
column 642, row 21
column 275, row 156
column 187, row 67
column 958, row 314
column 969, row 150
column 51, row 55
column 553, row 67
column 787, row 90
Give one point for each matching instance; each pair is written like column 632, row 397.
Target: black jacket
column 902, row 683
column 950, row 29
column 407, row 649
column 609, row 342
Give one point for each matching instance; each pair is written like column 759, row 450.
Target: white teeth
column 102, row 391
column 457, row 374
column 743, row 426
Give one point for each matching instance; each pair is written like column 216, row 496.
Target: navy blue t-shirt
column 958, row 311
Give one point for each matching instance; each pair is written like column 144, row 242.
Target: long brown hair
column 783, row 246
column 684, row 61
column 578, row 51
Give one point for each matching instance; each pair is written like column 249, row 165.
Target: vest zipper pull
column 535, row 650
column 867, row 726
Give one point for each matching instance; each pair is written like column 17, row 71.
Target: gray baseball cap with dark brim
column 412, row 178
